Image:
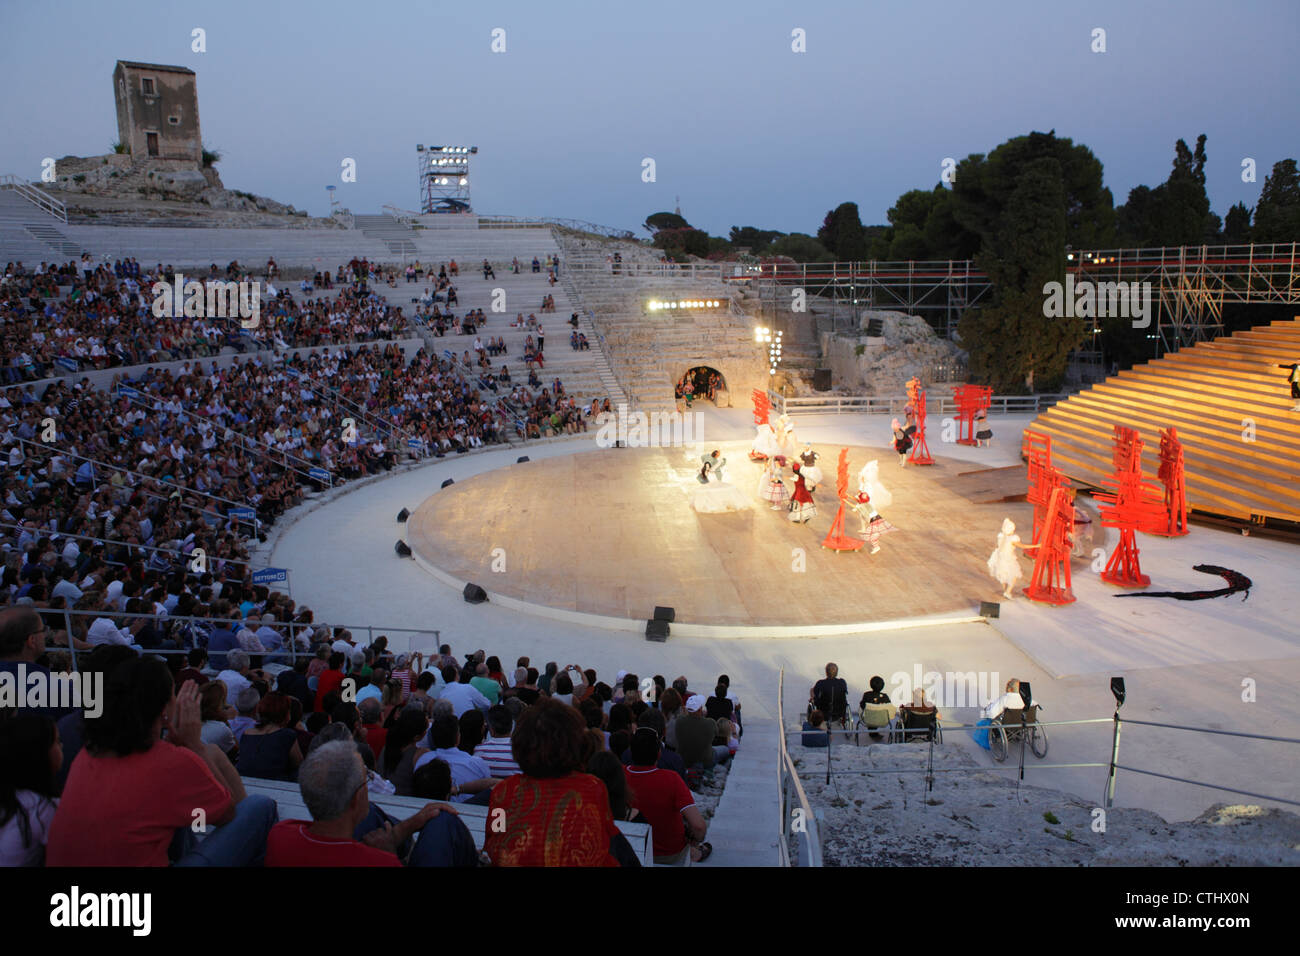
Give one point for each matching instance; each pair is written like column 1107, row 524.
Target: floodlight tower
column 444, row 177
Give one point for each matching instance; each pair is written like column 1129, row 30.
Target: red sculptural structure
column 971, row 400
column 1131, row 507
column 920, row 454
column 836, row 539
column 1050, row 581
column 1043, row 480
column 1171, row 476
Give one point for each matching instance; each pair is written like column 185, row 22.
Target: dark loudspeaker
column 1117, row 688
column 665, row 614
column 402, row 550
column 521, row 459
column 656, row 631
column 403, row 515
column 449, row 481
column 1026, row 694
column 475, row 594
column 989, row 608
column 822, row 379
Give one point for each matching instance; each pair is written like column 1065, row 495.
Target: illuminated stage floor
column 612, row 533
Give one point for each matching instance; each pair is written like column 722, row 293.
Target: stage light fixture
column 1117, row 689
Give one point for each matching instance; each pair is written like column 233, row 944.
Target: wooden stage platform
column 612, row 532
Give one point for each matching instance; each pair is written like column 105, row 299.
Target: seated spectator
column 676, row 824
column 473, row 728
column 347, row 830
column 330, row 679
column 401, row 748
column 236, row 676
column 30, row 756
column 554, row 813
column 668, row 759
column 245, row 711
column 495, row 751
column 374, row 690
column 486, row 684
column 196, row 660
column 471, row 775
column 113, row 811
column 372, row 713
column 695, row 733
column 718, row 705
column 1011, row 700
column 216, row 715
column 460, row 693
column 876, row 695
column 831, row 694
column 814, row 730
column 270, row 749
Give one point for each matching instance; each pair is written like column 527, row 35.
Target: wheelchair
column 916, row 722
column 1017, row 725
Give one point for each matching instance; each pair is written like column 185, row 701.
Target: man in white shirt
column 233, row 675
column 271, row 639
column 375, row 689
column 104, row 631
column 1011, row 700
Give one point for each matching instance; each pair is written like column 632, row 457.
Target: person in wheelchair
column 875, row 710
column 920, row 715
column 831, row 696
column 1011, row 700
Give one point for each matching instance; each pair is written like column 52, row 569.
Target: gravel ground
column 981, row 818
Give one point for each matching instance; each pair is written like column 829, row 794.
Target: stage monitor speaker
column 403, row 515
column 822, row 379
column 665, row 614
column 521, row 459
column 449, row 481
column 475, row 594
column 656, row 631
column 989, row 608
column 402, row 550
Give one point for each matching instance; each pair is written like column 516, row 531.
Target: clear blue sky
column 744, row 130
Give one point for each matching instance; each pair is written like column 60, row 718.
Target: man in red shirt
column 333, row 783
column 329, row 679
column 666, row 802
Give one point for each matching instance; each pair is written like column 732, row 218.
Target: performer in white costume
column 786, row 438
column 869, row 483
column 766, row 445
column 717, row 496
column 1004, row 563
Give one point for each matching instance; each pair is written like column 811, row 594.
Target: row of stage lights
column 657, row 305
column 772, row 339
column 463, row 150
column 1091, row 259
column 444, row 181
column 448, row 162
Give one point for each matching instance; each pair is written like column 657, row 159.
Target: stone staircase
column 745, row 824
column 398, row 237
column 649, row 352
column 29, row 234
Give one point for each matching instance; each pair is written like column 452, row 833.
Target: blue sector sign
column 241, row 514
column 320, row 474
column 270, row 575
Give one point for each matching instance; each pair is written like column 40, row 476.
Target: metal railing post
column 1111, row 771
column 72, row 647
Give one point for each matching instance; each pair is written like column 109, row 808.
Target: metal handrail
column 787, row 781
column 37, row 197
column 1004, row 404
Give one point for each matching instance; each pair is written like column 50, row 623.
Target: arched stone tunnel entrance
column 701, row 383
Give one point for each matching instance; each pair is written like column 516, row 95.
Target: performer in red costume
column 802, row 508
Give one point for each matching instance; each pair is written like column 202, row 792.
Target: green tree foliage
column 1026, row 201
column 665, row 220
column 800, row 248
column 1277, row 215
column 679, row 242
column 842, row 233
column 1236, row 225
column 755, row 240
column 1175, row 213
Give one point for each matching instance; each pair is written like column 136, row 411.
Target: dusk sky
column 743, row 129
